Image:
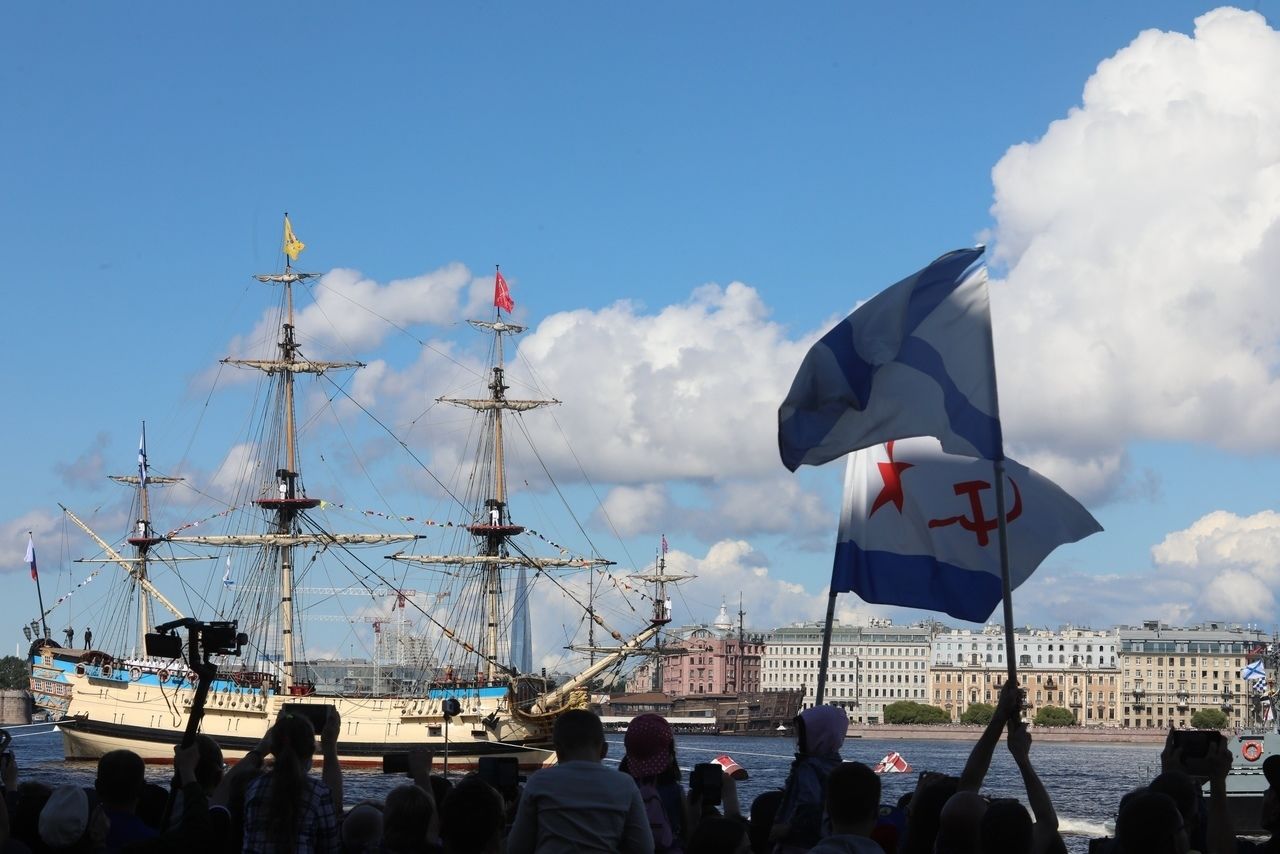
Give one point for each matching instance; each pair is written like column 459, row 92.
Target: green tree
column 908, row 712
column 1209, row 719
column 978, row 713
column 13, row 672
column 1054, row 716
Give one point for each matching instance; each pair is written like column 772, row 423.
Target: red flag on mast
column 501, row 295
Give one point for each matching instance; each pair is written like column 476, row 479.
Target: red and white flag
column 919, row 528
column 501, row 294
column 31, row 556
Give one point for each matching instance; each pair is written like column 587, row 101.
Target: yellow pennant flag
column 292, row 245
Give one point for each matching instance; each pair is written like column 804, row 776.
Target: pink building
column 715, row 659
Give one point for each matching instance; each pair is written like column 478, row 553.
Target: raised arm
column 1220, row 832
column 1047, row 839
column 1007, row 708
column 331, row 772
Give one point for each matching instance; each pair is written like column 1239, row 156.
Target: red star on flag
column 891, row 474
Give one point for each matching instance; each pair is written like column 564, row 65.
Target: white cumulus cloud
column 1141, row 239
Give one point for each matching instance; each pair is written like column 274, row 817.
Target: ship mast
column 494, row 528
column 143, row 537
column 287, row 499
column 660, row 578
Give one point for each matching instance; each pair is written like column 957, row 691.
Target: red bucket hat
column 650, row 745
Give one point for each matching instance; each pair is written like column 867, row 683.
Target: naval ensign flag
column 918, row 528
column 914, row 360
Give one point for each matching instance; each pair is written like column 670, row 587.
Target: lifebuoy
column 1251, row 751
column 135, row 673
column 163, row 676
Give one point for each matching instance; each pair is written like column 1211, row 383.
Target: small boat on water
column 453, row 603
column 893, row 763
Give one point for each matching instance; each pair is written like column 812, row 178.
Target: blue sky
column 734, row 174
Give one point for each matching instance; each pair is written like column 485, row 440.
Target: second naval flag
column 918, row 528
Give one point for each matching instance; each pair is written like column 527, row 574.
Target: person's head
column 121, row 778
column 1006, row 828
column 763, row 810
column 853, row 798
column 362, row 829
column 440, row 788
column 1270, row 818
column 717, row 834
column 650, row 745
column 64, row 819
column 293, row 743
column 406, row 818
column 960, row 823
column 924, row 814
column 1149, row 823
column 152, row 804
column 820, row 731
column 209, row 765
column 578, row 734
column 293, row 739
column 472, row 818
column 1185, row 793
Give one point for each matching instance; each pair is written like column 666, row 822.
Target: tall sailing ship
column 469, row 604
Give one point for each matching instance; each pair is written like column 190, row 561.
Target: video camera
column 214, row 638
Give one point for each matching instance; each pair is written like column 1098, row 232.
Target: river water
column 1085, row 781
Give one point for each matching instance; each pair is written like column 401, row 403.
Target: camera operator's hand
column 331, row 730
column 184, row 763
column 1171, row 756
column 1217, row 761
column 729, row 796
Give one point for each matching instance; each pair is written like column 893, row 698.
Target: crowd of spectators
column 272, row 801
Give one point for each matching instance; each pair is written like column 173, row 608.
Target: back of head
column 1006, row 828
column 821, row 730
column 121, row 777
column 440, row 788
column 853, row 796
column 717, row 834
column 293, row 742
column 65, row 817
column 152, row 804
column 960, row 823
column 406, row 818
column 1149, row 823
column 1271, row 770
column 578, row 734
column 650, row 744
column 926, row 810
column 1183, row 789
column 293, row 738
column 763, row 810
column 472, row 818
column 209, row 765
column 362, row 829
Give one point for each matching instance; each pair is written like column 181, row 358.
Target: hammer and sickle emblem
column 980, row 525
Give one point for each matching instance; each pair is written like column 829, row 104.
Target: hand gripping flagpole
column 1010, row 650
